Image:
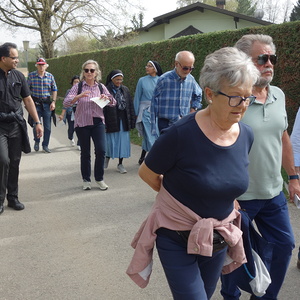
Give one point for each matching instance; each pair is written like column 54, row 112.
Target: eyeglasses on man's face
column 13, row 57
column 185, row 68
column 234, row 101
column 149, row 66
column 263, row 59
column 89, row 70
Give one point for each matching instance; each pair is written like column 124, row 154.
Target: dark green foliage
column 132, row 59
column 295, row 14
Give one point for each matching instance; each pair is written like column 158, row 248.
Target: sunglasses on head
column 89, row 70
column 263, row 58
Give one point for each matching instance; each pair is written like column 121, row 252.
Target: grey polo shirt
column 268, row 121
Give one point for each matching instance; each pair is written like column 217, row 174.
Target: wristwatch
column 293, row 177
column 36, row 123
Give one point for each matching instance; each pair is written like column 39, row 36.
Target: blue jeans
column 97, row 133
column 273, row 222
column 190, row 277
column 44, row 113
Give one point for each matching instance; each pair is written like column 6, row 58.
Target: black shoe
column 15, row 204
column 36, row 146
column 1, row 209
column 46, row 149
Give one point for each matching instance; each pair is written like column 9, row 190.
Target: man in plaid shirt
column 42, row 85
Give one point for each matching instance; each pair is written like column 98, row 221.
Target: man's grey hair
column 97, row 68
column 227, row 66
column 245, row 43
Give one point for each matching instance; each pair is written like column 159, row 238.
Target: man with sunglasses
column 42, row 85
column 264, row 200
column 176, row 93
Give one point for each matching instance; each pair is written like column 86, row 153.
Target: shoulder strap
column 100, row 88
column 80, row 88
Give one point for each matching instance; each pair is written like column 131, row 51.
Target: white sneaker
column 102, row 185
column 86, row 186
column 121, row 169
column 106, row 161
column 72, row 143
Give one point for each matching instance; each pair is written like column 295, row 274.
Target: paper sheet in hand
column 297, row 201
column 101, row 102
column 296, row 197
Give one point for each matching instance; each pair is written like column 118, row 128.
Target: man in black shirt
column 13, row 130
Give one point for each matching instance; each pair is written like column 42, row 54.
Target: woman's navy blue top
column 200, row 174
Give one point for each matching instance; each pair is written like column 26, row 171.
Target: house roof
column 200, row 7
column 187, row 31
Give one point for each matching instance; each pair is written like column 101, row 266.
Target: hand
column 294, row 188
column 39, row 130
column 60, row 117
column 52, row 106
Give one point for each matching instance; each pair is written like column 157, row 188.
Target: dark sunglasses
column 263, row 58
column 89, row 70
column 186, row 68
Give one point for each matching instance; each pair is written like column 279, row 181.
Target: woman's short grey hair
column 97, row 68
column 245, row 43
column 227, row 66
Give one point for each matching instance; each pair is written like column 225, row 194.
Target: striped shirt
column 41, row 87
column 173, row 97
column 86, row 109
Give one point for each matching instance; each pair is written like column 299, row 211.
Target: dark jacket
column 113, row 114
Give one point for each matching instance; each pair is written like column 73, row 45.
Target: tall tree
column 245, row 7
column 54, row 18
column 295, row 14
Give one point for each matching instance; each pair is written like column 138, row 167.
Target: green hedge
column 132, row 59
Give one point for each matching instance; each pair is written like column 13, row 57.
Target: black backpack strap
column 100, row 88
column 79, row 88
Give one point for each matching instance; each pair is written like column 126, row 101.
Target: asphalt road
column 72, row 244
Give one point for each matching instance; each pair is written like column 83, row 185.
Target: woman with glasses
column 198, row 166
column 118, row 120
column 89, row 121
column 142, row 101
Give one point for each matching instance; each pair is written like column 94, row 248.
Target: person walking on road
column 89, row 121
column 176, row 94
column 13, row 128
column 142, row 102
column 67, row 115
column 119, row 120
column 42, row 85
column 264, row 200
column 194, row 211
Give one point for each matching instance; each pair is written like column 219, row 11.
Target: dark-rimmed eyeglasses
column 186, row 68
column 234, row 101
column 13, row 57
column 89, row 70
column 263, row 58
